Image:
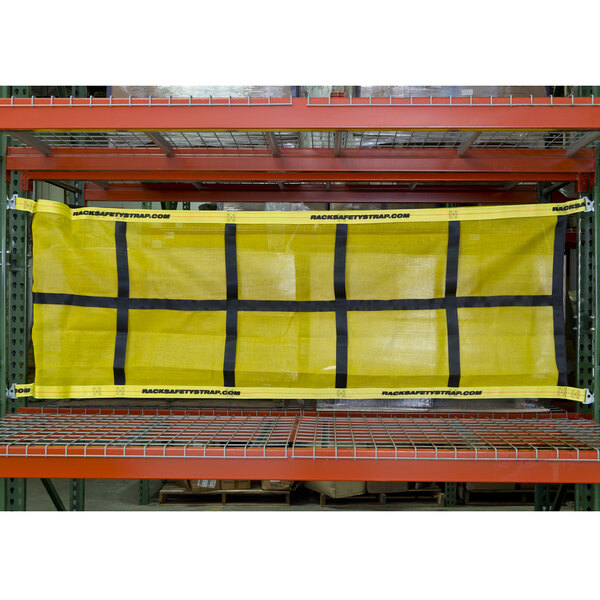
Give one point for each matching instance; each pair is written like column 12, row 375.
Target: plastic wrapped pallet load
column 337, row 489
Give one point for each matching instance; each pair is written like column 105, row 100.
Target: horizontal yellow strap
column 272, row 393
column 295, row 217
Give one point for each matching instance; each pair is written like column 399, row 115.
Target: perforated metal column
column 587, row 497
column 450, row 493
column 144, row 492
column 17, row 284
column 585, row 305
column 3, row 314
column 17, row 321
column 72, row 198
column 3, row 195
column 77, row 494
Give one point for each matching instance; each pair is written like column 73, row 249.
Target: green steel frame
column 3, row 315
column 587, row 497
column 77, row 494
column 144, row 492
column 450, row 493
column 54, row 495
column 542, row 496
column 75, row 198
column 17, row 286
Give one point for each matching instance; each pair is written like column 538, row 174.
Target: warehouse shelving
column 381, row 150
column 197, row 443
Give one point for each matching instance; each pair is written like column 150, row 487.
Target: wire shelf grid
column 311, row 101
column 281, row 434
column 361, row 140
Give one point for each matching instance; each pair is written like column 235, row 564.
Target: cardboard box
column 236, row 484
column 276, row 485
column 386, row 487
column 183, row 484
column 337, row 489
column 205, row 485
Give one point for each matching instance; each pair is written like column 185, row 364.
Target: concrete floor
column 122, row 495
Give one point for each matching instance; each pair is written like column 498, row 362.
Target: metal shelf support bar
column 54, row 496
column 467, row 143
column 299, row 114
column 31, row 140
column 560, row 497
column 272, row 143
column 581, row 143
column 161, row 142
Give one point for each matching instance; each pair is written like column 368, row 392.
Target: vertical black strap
column 451, row 306
column 557, row 299
column 122, row 302
column 341, row 314
column 232, row 308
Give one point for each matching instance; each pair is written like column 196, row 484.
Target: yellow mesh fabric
column 510, row 345
column 286, row 349
column 73, row 345
column 74, row 257
column 173, row 347
column 385, row 262
column 508, row 257
column 285, row 262
column 292, row 345
column 181, row 261
column 404, row 348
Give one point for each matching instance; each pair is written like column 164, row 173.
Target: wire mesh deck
column 362, row 140
column 296, row 435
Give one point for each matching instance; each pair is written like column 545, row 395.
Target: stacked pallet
column 338, row 493
column 499, row 494
column 276, row 492
column 194, row 492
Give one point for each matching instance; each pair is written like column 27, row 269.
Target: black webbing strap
column 122, row 302
column 232, row 308
column 290, row 305
column 557, row 298
column 341, row 314
column 451, row 304
column 74, row 300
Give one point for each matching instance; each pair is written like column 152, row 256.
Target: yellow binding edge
column 273, row 393
column 355, row 217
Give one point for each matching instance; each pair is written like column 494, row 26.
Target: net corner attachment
column 11, row 202
column 20, row 390
column 589, row 204
column 589, row 397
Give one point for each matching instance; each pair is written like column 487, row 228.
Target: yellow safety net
column 143, row 303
